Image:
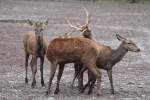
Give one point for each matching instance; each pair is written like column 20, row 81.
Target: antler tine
column 71, row 32
column 79, row 24
column 87, row 17
column 72, row 25
column 68, row 34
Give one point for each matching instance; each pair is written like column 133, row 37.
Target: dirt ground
column 131, row 76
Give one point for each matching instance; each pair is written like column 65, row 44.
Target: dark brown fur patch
column 40, row 45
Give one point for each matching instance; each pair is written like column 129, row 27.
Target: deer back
column 72, row 49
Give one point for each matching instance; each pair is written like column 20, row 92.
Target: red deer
column 35, row 44
column 86, row 33
column 72, row 50
column 107, row 58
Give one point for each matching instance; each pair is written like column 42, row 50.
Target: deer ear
column 120, row 38
column 30, row 22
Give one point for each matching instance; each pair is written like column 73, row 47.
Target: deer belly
column 69, row 58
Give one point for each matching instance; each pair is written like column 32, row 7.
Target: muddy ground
column 131, row 75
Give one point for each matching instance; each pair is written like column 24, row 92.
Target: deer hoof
column 56, row 91
column 89, row 92
column 33, row 84
column 43, row 84
column 47, row 93
column 98, row 93
column 81, row 90
column 112, row 92
column 26, row 80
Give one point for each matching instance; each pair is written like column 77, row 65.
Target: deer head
column 38, row 27
column 128, row 44
column 84, row 29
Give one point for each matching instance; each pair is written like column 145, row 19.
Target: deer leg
column 109, row 72
column 75, row 74
column 92, row 79
column 90, row 83
column 91, row 86
column 41, row 70
column 53, row 70
column 97, row 75
column 34, row 70
column 78, row 67
column 90, row 75
column 86, row 85
column 60, row 72
column 80, row 78
column 78, row 73
column 26, row 66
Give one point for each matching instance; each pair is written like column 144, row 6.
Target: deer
column 86, row 33
column 35, row 44
column 72, row 50
column 108, row 58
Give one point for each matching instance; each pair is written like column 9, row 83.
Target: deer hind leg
column 78, row 68
column 109, row 72
column 76, row 65
column 75, row 73
column 53, row 70
column 34, row 70
column 80, row 72
column 41, row 70
column 80, row 77
column 86, row 85
column 97, row 74
column 91, row 86
column 91, row 77
column 26, row 66
column 60, row 72
column 90, row 83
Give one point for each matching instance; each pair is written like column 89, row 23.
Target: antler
column 77, row 28
column 81, row 27
column 87, row 22
column 69, row 33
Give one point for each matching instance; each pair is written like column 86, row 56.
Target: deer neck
column 39, row 44
column 118, row 54
column 87, row 34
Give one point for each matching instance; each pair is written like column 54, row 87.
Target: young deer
column 72, row 50
column 107, row 59
column 35, row 44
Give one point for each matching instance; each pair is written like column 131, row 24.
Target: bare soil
column 131, row 76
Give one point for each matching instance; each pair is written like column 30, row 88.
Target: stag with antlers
column 86, row 33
